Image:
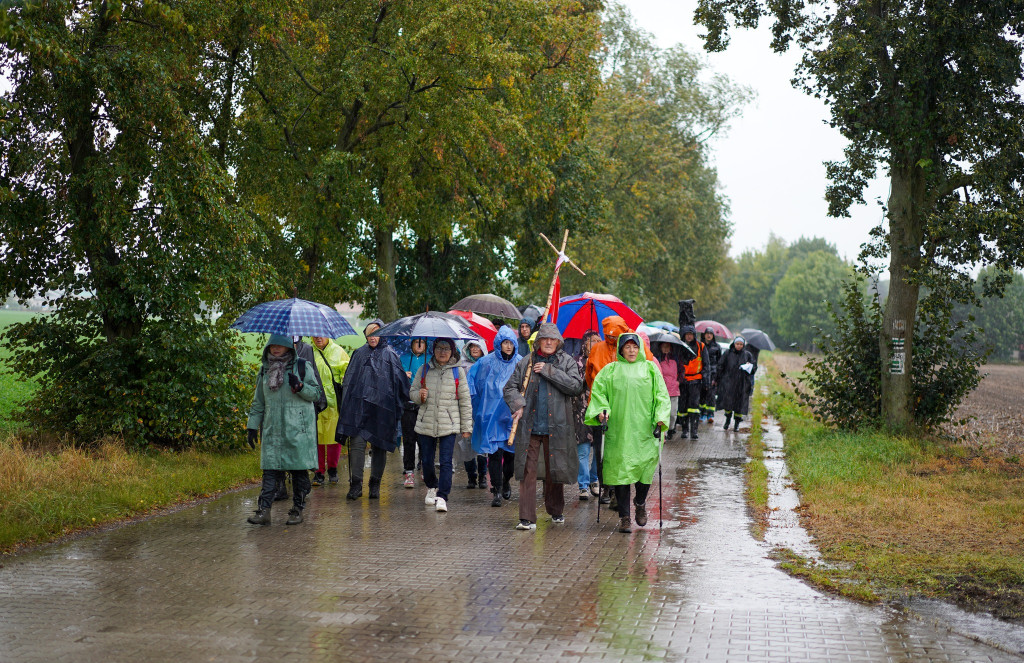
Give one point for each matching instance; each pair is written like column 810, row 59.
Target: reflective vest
column 696, row 365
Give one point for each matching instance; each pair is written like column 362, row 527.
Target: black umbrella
column 432, row 324
column 671, row 339
column 487, row 304
column 757, row 339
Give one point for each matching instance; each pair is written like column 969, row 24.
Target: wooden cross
column 562, row 257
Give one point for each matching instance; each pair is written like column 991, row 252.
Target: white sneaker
column 441, row 504
column 431, row 496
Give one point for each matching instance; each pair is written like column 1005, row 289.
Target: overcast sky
column 770, row 163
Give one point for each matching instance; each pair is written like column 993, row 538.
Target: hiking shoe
column 595, row 489
column 440, row 504
column 669, row 435
column 482, row 483
column 605, row 498
column 624, row 526
column 261, row 517
column 506, row 491
column 294, row 516
column 496, row 500
column 431, row 497
column 409, row 482
column 558, row 520
column 641, row 514
column 332, row 476
column 355, row 490
column 472, row 483
column 318, row 479
column 584, row 494
column 693, row 436
column 374, row 489
column 526, row 525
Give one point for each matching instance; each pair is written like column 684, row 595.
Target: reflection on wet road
column 396, row 580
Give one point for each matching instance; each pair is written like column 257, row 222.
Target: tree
column 754, row 281
column 801, row 302
column 663, row 233
column 117, row 209
column 928, row 91
column 999, row 317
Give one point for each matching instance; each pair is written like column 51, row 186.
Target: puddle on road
column 784, row 529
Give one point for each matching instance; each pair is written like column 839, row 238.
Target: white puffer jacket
column 442, row 413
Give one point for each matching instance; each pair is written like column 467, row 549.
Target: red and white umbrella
column 480, row 325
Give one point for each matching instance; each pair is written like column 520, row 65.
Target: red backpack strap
column 455, row 372
column 423, row 376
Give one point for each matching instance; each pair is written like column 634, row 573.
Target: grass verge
column 48, row 495
column 755, row 469
column 902, row 516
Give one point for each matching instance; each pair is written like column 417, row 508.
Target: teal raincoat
column 635, row 397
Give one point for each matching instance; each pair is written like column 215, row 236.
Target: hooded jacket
column 694, row 365
column 524, row 343
column 561, row 380
column 734, row 383
column 635, row 398
column 605, row 353
column 375, row 392
column 714, row 353
column 288, row 419
column 492, row 420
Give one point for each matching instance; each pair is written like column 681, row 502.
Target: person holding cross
column 540, row 395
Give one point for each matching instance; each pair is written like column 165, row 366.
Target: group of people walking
column 527, row 410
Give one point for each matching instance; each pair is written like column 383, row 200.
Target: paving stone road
column 394, row 580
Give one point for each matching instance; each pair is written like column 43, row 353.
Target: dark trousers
column 554, row 497
column 707, row 401
column 274, row 478
column 598, row 436
column 410, row 440
column 501, row 465
column 622, row 497
column 445, row 447
column 357, row 457
column 689, row 402
column 476, row 467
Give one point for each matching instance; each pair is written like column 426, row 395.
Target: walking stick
column 600, row 464
column 526, row 383
column 661, row 513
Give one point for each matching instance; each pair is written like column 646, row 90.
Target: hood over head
column 688, row 329
column 549, row 330
column 614, row 326
column 375, row 321
column 738, row 338
column 279, row 339
column 479, row 344
column 626, row 338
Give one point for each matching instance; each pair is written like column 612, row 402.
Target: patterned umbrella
column 661, row 324
column 585, row 311
column 721, row 331
column 294, row 317
column 431, row 324
column 488, row 304
column 483, row 327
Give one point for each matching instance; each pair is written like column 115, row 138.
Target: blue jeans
column 445, row 447
column 587, row 473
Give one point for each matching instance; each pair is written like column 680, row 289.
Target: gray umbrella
column 487, row 305
column 758, row 339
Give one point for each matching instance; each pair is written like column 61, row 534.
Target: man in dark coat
column 523, row 336
column 545, row 436
column 735, row 369
column 374, row 395
column 707, row 396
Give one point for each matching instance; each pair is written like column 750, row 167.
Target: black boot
column 495, row 497
column 728, row 416
column 694, row 423
column 318, row 479
column 374, row 488
column 294, row 516
column 736, row 426
column 355, row 489
column 332, row 475
column 506, row 491
column 261, row 517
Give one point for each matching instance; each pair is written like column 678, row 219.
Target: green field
column 12, row 390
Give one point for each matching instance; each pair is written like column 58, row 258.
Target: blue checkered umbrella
column 294, row 317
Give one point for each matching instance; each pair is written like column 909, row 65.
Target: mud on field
column 996, row 407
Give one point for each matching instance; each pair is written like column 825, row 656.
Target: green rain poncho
column 635, row 397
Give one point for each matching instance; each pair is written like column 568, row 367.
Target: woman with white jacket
column 441, row 390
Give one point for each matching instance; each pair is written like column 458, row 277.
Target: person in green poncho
column 630, row 395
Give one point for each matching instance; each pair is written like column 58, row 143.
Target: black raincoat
column 375, row 392
column 734, row 385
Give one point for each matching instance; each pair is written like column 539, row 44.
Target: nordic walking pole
column 600, row 464
column 661, row 513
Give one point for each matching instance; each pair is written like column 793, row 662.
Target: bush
column 180, row 384
column 843, row 384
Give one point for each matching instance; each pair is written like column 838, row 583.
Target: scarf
column 275, row 370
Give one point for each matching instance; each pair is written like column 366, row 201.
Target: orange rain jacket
column 605, row 353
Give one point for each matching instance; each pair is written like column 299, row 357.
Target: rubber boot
column 694, row 424
column 736, row 426
column 261, row 517
column 727, row 417
column 355, row 490
column 374, row 488
column 294, row 516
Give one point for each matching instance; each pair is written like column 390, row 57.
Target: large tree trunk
column 387, row 294
column 906, row 235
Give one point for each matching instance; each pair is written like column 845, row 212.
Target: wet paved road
column 394, row 580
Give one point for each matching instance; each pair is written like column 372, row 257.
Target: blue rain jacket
column 492, row 420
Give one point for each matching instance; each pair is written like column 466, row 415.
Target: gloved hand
column 748, row 367
column 295, row 383
column 252, row 437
